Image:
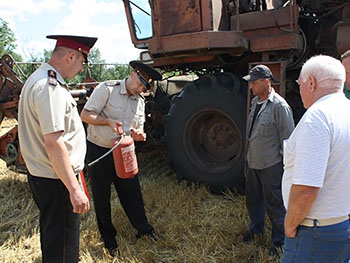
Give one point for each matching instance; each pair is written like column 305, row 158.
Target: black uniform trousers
column 59, row 226
column 102, row 174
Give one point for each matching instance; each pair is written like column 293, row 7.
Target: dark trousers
column 102, row 174
column 59, row 226
column 263, row 193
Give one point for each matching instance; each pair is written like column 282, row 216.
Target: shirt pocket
column 115, row 108
column 267, row 129
column 138, row 115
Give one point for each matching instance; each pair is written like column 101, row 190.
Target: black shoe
column 275, row 251
column 152, row 234
column 113, row 251
column 246, row 237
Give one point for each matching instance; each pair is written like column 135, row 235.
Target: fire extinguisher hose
column 104, row 155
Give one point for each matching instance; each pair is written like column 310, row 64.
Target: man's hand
column 289, row 230
column 138, row 135
column 113, row 124
column 79, row 201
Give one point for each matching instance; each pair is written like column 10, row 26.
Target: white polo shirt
column 318, row 154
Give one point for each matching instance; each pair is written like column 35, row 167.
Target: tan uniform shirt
column 111, row 100
column 46, row 107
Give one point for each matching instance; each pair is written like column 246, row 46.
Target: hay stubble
column 198, row 227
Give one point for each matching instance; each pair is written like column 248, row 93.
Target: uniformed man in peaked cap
column 78, row 43
column 117, row 103
column 53, row 145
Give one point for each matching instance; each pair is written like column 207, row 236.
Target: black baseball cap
column 259, row 72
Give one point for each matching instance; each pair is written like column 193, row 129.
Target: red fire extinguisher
column 124, row 156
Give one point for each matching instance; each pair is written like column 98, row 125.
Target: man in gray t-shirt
column 270, row 123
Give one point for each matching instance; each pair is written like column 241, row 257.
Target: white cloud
column 32, row 20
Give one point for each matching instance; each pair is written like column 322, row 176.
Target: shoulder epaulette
column 112, row 82
column 52, row 77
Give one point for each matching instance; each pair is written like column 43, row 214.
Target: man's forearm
column 60, row 161
column 93, row 118
column 301, row 200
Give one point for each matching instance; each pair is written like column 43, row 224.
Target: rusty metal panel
column 343, row 38
column 172, row 60
column 343, row 31
column 268, row 18
column 281, row 42
column 200, row 40
column 175, row 17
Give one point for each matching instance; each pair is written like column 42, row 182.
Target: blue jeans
column 319, row 244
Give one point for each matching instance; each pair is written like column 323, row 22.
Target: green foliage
column 7, row 41
column 99, row 71
column 47, row 55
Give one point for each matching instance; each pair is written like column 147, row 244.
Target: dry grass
column 198, row 226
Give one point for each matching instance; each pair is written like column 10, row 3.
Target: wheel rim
column 11, row 152
column 213, row 142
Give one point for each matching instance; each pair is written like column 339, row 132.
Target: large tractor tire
column 205, row 132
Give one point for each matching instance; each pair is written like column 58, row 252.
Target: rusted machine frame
column 13, row 85
column 242, row 34
column 343, row 29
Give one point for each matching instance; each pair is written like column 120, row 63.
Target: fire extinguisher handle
column 120, row 130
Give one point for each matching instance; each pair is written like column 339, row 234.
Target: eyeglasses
column 143, row 81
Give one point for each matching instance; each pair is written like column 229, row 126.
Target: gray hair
column 323, row 68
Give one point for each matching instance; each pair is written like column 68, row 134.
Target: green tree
column 99, row 71
column 117, row 72
column 47, row 55
column 7, row 41
column 89, row 72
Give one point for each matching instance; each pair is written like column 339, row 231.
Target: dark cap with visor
column 259, row 72
column 146, row 73
column 78, row 43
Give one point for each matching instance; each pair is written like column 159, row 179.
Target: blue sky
column 32, row 20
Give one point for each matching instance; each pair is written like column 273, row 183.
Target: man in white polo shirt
column 316, row 181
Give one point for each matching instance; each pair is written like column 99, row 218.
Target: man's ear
column 312, row 83
column 70, row 56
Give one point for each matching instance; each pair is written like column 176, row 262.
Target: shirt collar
column 123, row 90
column 271, row 95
